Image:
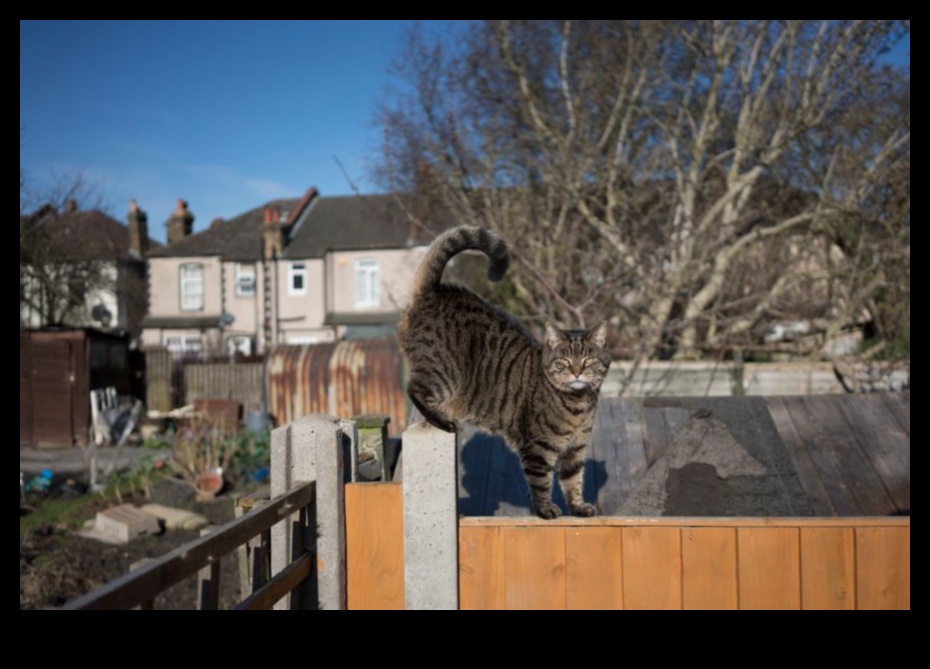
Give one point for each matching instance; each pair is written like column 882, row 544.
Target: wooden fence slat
column 534, row 567
column 284, row 582
column 594, row 568
column 800, row 456
column 208, row 581
column 374, row 545
column 480, row 569
column 884, row 443
column 900, row 405
column 651, row 567
column 883, row 567
column 709, row 568
column 769, row 568
column 828, row 568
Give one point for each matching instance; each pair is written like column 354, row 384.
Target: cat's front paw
column 548, row 511
column 584, row 510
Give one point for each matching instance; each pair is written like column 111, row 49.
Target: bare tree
column 60, row 268
column 699, row 181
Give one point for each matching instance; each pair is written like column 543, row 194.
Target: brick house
column 291, row 271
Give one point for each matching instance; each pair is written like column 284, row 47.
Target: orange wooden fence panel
column 374, row 546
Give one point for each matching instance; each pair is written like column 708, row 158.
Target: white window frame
column 245, row 279
column 294, row 270
column 367, row 283
column 188, row 285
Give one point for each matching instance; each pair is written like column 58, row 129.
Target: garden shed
column 57, row 370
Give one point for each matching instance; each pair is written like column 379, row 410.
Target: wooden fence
column 336, row 543
column 446, row 561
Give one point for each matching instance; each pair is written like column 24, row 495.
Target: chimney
column 272, row 233
column 180, row 223
column 138, row 229
column 216, row 222
column 301, row 205
column 71, row 206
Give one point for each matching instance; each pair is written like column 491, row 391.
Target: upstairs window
column 297, row 279
column 367, row 283
column 245, row 279
column 192, row 287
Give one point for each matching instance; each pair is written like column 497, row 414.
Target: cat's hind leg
column 424, row 398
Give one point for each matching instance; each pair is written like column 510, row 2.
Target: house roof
column 238, row 238
column 359, row 222
column 340, row 223
column 79, row 235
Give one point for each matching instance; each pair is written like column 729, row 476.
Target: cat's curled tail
column 453, row 242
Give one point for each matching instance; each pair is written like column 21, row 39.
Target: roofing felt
column 775, row 456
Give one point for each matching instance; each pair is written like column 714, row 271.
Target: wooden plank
column 691, row 521
column 849, row 447
column 769, row 568
column 660, row 425
column 534, row 567
column 883, row 442
column 828, row 568
column 285, row 581
column 708, row 569
column 825, row 434
column 594, row 568
column 618, row 452
column 658, row 434
column 800, row 456
column 474, row 470
column 505, row 489
column 374, row 546
column 900, row 405
column 883, row 568
column 481, row 584
column 651, row 567
column 208, row 582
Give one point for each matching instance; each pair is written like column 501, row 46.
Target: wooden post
column 208, row 581
column 430, row 486
column 313, row 448
column 149, row 604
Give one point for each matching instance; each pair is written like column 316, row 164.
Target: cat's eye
column 561, row 363
column 589, row 362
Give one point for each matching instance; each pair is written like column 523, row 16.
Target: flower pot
column 208, row 485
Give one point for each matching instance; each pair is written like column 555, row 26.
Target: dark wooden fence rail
column 139, row 588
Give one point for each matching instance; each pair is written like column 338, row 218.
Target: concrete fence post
column 317, row 448
column 430, row 485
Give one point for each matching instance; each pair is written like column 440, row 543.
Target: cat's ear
column 554, row 335
column 598, row 334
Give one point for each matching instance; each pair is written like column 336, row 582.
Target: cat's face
column 576, row 360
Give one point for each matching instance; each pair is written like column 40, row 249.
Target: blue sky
column 226, row 115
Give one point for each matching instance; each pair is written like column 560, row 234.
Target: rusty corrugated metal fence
column 343, row 379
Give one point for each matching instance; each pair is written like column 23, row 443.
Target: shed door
column 52, row 378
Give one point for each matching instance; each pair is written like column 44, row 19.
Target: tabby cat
column 472, row 361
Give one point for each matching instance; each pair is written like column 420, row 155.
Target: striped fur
column 471, row 361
